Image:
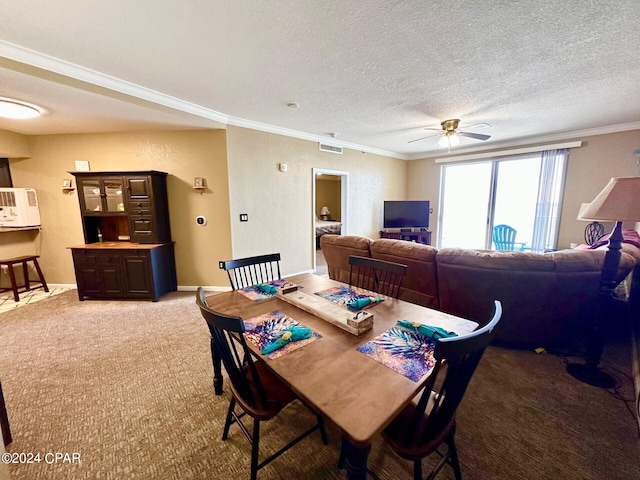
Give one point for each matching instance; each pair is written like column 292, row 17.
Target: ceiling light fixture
column 450, row 139
column 17, row 110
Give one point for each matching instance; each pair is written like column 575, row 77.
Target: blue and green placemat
column 269, row 328
column 404, row 349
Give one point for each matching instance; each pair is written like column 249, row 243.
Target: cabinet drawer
column 141, row 207
column 109, row 259
column 83, row 257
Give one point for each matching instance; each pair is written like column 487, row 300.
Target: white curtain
column 547, row 219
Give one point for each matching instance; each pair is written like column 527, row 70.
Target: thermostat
column 200, row 220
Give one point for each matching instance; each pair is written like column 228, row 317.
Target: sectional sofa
column 547, row 299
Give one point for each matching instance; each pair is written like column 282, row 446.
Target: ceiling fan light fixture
column 17, row 110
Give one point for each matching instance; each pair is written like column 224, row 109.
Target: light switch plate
column 244, row 217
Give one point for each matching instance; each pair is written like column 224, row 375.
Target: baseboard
column 207, row 288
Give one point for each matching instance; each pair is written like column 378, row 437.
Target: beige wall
column 280, row 204
column 241, row 170
column 328, row 194
column 182, row 154
column 13, row 145
column 589, row 169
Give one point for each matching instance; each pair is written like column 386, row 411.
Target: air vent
column 330, row 148
column 7, row 199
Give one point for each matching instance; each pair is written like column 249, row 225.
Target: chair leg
column 341, row 460
column 453, row 454
column 254, row 449
column 229, row 420
column 217, row 369
column 40, row 275
column 323, row 432
column 417, row 469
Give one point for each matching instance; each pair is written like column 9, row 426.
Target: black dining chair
column 430, row 420
column 244, row 272
column 258, row 392
column 375, row 275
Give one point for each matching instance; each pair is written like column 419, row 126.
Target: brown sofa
column 547, row 299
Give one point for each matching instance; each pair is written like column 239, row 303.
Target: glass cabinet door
column 91, row 193
column 113, row 195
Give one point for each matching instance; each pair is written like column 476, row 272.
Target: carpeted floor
column 127, row 386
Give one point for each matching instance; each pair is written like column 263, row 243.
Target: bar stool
column 25, row 269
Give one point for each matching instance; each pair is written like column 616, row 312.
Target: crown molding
column 533, row 140
column 71, row 70
column 263, row 127
column 53, row 64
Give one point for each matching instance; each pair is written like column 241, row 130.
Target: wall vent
column 330, row 148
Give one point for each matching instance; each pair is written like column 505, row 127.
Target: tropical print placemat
column 403, row 350
column 347, row 297
column 267, row 328
column 262, row 291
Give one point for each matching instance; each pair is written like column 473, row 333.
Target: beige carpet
column 127, row 385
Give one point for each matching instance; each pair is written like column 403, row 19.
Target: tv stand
column 422, row 236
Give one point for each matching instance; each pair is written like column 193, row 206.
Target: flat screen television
column 406, row 214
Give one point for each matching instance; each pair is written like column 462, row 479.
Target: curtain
column 547, row 218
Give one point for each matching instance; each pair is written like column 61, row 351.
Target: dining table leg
column 356, row 460
column 217, row 369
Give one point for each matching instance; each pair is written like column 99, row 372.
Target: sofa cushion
column 546, row 299
column 420, row 284
column 338, row 248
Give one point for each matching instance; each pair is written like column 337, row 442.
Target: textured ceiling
column 375, row 73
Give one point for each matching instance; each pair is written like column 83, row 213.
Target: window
column 524, row 192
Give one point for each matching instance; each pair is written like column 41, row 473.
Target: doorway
column 329, row 210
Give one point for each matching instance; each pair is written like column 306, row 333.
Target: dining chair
column 429, row 421
column 258, row 392
column 504, row 238
column 375, row 275
column 244, row 272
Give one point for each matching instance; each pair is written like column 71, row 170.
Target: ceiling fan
column 450, row 133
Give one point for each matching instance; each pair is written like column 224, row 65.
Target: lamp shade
column 618, row 201
column 583, row 207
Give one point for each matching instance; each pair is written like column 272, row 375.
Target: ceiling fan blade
column 436, row 129
column 422, row 138
column 478, row 125
column 477, row 136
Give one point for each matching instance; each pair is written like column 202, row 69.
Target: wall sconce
column 199, row 185
column 67, row 185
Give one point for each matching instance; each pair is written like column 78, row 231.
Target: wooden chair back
column 456, row 360
column 229, row 343
column 375, row 275
column 244, row 272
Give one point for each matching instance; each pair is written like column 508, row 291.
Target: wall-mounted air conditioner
column 19, row 207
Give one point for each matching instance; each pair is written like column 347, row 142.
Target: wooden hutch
column 128, row 252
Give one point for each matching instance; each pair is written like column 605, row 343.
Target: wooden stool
column 14, row 285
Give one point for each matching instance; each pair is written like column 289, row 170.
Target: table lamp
column 324, row 213
column 594, row 230
column 619, row 201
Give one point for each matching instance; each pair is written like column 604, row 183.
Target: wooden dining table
column 358, row 394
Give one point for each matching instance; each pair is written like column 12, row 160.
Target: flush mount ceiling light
column 17, row 110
